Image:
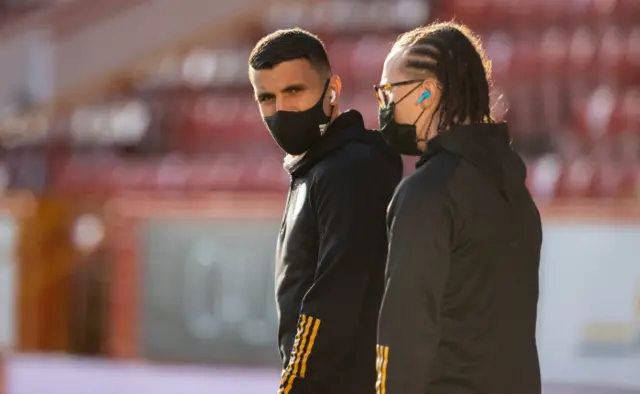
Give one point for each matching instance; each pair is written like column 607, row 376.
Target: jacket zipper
column 286, row 208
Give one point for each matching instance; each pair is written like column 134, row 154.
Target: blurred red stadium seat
column 554, row 50
column 596, row 115
column 527, row 57
column 607, row 181
column 553, row 103
column 368, row 56
column 223, row 172
column 523, row 12
column 340, row 52
column 473, row 12
column 219, row 122
column 543, row 176
column 578, row 11
column 365, row 102
column 521, row 111
column 631, row 62
column 630, row 109
column 611, row 50
column 582, row 50
column 576, row 178
column 607, row 174
column 630, row 9
column 359, row 60
column 500, row 49
column 550, row 12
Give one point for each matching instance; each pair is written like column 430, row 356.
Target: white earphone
column 333, row 96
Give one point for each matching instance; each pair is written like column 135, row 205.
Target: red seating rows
column 567, row 70
column 223, row 172
column 553, row 177
column 603, row 110
column 516, row 53
column 487, row 13
column 349, row 16
column 606, row 111
column 558, row 51
column 235, row 117
column 549, row 176
column 360, row 60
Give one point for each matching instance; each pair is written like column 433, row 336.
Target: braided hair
column 454, row 55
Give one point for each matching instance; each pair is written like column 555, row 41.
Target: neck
column 335, row 112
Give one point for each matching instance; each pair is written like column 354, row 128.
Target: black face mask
column 402, row 138
column 297, row 132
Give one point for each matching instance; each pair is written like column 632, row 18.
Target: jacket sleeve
column 420, row 226
column 350, row 204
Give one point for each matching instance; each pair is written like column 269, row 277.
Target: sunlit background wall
column 141, row 193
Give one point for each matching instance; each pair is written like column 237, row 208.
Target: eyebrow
column 269, row 95
column 295, row 86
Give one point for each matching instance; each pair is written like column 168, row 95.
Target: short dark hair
column 289, row 44
column 454, row 54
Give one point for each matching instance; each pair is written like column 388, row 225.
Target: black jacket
column 330, row 260
column 460, row 305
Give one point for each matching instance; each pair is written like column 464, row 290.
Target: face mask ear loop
column 324, row 127
column 414, row 123
column 407, row 95
column 419, row 116
column 426, row 139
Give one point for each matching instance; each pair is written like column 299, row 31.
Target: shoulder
column 355, row 160
column 432, row 178
column 428, row 186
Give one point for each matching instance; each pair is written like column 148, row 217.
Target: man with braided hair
column 460, row 304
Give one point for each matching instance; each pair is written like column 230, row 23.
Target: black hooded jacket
column 330, row 260
column 460, row 305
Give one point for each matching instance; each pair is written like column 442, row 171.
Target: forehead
column 392, row 71
column 284, row 74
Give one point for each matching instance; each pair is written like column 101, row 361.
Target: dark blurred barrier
column 201, row 289
column 208, row 290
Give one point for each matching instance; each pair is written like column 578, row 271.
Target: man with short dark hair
column 332, row 245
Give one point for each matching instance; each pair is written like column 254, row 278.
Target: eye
column 264, row 99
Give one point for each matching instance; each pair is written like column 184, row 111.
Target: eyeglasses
column 383, row 92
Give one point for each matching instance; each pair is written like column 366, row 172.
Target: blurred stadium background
column 141, row 193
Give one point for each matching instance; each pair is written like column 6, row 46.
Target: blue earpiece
column 424, row 96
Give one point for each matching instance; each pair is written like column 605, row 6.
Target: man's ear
column 336, row 85
column 430, row 85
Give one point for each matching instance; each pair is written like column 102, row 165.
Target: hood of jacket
column 487, row 147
